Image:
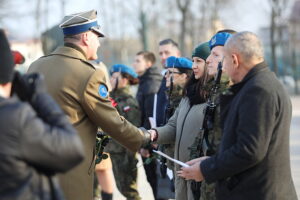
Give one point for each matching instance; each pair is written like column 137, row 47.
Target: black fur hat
column 6, row 60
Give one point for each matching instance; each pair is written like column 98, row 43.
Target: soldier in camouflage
column 216, row 44
column 124, row 161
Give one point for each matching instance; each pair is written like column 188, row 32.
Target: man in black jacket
column 167, row 48
column 253, row 161
column 150, row 79
column 36, row 139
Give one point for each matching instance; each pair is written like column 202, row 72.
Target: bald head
column 242, row 52
column 247, row 45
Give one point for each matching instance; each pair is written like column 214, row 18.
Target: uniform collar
column 71, row 50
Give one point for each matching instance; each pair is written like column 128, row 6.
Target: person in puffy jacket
column 36, row 141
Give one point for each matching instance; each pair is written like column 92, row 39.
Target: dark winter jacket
column 162, row 103
column 149, row 85
column 35, row 144
column 253, row 161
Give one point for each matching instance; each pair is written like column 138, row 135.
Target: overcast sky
column 243, row 15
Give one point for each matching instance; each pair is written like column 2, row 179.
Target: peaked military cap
column 219, row 39
column 81, row 22
column 179, row 63
column 124, row 69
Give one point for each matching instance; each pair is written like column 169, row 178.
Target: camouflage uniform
column 208, row 190
column 124, row 161
column 214, row 137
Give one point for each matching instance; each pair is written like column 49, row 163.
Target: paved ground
column 145, row 189
column 295, row 143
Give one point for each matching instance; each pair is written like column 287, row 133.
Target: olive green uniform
column 214, row 137
column 80, row 90
column 124, row 162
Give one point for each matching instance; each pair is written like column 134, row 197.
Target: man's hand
column 153, row 135
column 193, row 172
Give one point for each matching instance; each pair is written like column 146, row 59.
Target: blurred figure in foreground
column 36, row 141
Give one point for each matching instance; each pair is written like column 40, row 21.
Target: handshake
column 150, row 136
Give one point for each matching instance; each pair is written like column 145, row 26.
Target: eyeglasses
column 170, row 72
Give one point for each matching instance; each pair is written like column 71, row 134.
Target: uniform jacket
column 34, row 146
column 182, row 129
column 80, row 90
column 253, row 161
column 149, row 85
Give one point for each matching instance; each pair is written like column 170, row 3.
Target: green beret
column 202, row 51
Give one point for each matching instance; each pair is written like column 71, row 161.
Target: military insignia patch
column 103, row 91
column 213, row 41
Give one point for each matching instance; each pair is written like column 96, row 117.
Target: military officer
column 124, row 162
column 80, row 89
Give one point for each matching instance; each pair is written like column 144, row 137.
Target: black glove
column 26, row 86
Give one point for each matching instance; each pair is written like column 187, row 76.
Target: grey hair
column 247, row 44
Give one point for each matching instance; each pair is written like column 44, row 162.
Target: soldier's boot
column 106, row 196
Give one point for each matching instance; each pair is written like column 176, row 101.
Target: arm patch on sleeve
column 102, row 91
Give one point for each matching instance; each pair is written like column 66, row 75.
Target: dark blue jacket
column 162, row 102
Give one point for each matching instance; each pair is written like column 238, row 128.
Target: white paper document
column 172, row 159
column 152, row 121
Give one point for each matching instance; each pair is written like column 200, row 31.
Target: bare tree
column 143, row 30
column 277, row 8
column 183, row 6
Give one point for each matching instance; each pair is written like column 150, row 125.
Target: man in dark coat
column 167, row 48
column 150, row 79
column 36, row 141
column 253, row 161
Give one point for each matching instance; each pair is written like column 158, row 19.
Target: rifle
column 197, row 149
